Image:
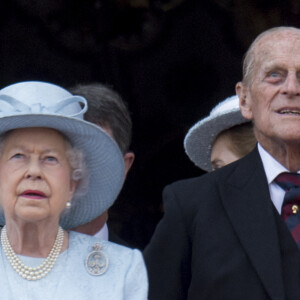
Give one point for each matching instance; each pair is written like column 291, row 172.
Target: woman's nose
column 33, row 170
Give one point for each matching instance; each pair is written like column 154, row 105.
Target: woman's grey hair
column 75, row 156
column 79, row 169
column 249, row 58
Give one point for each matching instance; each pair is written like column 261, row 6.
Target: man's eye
column 274, row 77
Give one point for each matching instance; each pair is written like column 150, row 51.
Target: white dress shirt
column 272, row 169
column 102, row 233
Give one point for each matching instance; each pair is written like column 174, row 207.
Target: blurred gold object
column 295, row 208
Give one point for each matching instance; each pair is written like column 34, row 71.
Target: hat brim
column 102, row 156
column 200, row 138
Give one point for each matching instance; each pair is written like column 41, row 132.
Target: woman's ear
column 245, row 100
column 73, row 186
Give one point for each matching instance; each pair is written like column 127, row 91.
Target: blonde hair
column 241, row 138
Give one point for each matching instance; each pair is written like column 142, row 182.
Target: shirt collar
column 272, row 167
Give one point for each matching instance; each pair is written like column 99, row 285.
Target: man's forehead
column 277, row 44
column 283, row 37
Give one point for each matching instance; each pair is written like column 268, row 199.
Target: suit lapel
column 250, row 209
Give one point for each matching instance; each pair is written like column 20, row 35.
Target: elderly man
column 233, row 233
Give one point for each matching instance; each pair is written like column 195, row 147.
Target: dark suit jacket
column 222, row 238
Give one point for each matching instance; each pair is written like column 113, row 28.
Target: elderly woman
column 58, row 171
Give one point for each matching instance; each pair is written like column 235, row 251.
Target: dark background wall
column 172, row 61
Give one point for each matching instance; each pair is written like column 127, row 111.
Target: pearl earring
column 68, row 204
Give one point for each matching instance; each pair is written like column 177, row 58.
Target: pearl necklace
column 30, row 273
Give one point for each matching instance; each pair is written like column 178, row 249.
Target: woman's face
column 221, row 154
column 35, row 175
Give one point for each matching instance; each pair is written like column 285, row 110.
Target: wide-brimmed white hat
column 200, row 137
column 41, row 104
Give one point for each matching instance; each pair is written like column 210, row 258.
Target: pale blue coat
column 125, row 278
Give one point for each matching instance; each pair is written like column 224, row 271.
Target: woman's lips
column 33, row 194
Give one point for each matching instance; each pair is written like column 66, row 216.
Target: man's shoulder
column 211, row 177
column 237, row 171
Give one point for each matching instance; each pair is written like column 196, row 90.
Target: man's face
column 272, row 100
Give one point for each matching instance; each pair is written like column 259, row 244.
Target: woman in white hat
column 58, row 171
column 221, row 138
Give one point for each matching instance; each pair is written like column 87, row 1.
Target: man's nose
column 291, row 86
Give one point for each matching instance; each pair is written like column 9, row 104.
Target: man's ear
column 245, row 100
column 128, row 161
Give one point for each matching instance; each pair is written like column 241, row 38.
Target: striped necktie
column 290, row 183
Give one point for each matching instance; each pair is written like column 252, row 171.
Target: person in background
column 110, row 112
column 58, row 171
column 220, row 138
column 234, row 233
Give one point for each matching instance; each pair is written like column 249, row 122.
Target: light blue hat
column 42, row 104
column 199, row 140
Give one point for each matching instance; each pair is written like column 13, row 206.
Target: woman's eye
column 17, row 156
column 51, row 159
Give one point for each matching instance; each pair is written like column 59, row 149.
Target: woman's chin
column 32, row 214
